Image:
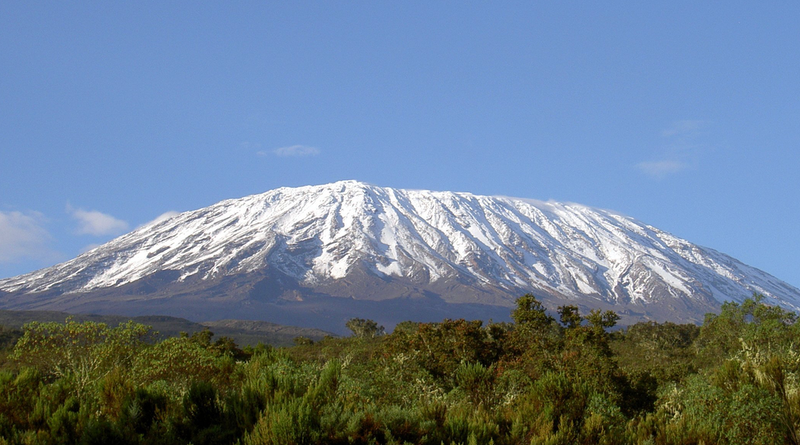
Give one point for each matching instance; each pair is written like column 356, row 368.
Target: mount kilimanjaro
column 318, row 255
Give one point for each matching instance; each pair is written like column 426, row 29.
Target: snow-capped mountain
column 260, row 254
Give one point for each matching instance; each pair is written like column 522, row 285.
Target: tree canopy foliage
column 538, row 380
column 362, row 328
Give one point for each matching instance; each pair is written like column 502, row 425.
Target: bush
column 85, row 351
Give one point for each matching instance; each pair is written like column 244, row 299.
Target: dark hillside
column 243, row 332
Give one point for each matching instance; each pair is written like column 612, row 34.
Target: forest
column 545, row 378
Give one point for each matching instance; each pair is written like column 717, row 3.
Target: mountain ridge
column 351, row 240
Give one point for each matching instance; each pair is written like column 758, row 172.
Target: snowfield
column 321, row 233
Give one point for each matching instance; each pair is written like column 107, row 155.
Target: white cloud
column 294, row 150
column 162, row 217
column 96, row 223
column 661, row 169
column 682, row 148
column 90, row 247
column 23, row 237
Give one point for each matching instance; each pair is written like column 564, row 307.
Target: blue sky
column 683, row 115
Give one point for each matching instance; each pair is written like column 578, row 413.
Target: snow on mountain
column 320, row 235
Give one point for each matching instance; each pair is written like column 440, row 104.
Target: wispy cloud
column 291, row 151
column 681, row 149
column 89, row 247
column 23, row 237
column 92, row 222
column 162, row 217
column 661, row 169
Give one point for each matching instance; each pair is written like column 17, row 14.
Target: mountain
column 318, row 255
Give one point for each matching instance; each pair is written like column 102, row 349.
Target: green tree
column 664, row 350
column 599, row 320
column 180, row 361
column 440, row 348
column 752, row 323
column 83, row 351
column 531, row 313
column 569, row 316
column 362, row 328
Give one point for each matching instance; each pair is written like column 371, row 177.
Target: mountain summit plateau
column 318, row 255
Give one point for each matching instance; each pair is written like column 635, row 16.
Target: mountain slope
column 362, row 242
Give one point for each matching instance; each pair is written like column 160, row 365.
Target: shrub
column 86, row 351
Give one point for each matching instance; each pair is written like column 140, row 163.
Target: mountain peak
column 353, row 241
